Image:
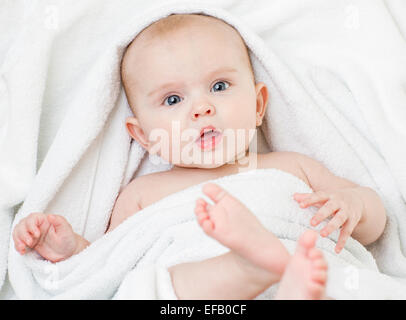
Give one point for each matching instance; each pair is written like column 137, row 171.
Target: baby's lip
column 204, row 130
column 207, row 129
column 209, row 138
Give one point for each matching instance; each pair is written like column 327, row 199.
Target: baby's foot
column 306, row 274
column 233, row 225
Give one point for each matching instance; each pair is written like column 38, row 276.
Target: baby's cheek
column 158, row 140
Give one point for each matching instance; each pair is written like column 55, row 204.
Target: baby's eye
column 172, row 100
column 219, row 85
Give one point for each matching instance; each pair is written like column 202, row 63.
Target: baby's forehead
column 216, row 33
column 167, row 27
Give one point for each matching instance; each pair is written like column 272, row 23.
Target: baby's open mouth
column 209, row 138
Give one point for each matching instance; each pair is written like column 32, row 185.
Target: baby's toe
column 319, row 276
column 314, row 254
column 308, row 240
column 320, row 264
column 316, row 291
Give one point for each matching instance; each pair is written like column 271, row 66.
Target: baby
column 194, row 72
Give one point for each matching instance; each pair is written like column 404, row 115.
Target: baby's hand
column 343, row 205
column 50, row 235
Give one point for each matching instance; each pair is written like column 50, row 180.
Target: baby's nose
column 203, row 111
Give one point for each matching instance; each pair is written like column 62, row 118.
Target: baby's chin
column 200, row 165
column 211, row 161
column 206, row 160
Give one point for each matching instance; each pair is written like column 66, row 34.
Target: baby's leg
column 224, row 277
column 256, row 261
column 232, row 224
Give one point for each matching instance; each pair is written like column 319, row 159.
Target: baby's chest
column 167, row 186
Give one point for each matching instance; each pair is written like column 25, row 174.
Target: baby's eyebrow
column 210, row 75
column 164, row 86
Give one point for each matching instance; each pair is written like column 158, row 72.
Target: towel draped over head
column 335, row 95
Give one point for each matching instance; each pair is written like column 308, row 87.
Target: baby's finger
column 345, row 233
column 59, row 223
column 339, row 219
column 18, row 244
column 22, row 234
column 314, row 198
column 38, row 219
column 25, row 237
column 20, row 247
column 34, row 224
column 31, row 225
column 326, row 211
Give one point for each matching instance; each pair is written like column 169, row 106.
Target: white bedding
column 335, row 72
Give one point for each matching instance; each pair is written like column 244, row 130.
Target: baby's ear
column 262, row 101
column 135, row 131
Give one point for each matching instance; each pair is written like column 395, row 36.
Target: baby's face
column 186, row 84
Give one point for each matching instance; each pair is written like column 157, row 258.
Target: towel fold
column 336, row 94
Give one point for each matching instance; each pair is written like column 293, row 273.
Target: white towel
column 335, row 96
column 167, row 233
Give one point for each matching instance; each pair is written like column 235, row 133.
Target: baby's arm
column 358, row 210
column 53, row 237
column 127, row 204
column 50, row 235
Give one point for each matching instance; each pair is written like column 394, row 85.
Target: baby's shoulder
column 287, row 161
column 153, row 186
column 153, row 179
column 144, row 183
